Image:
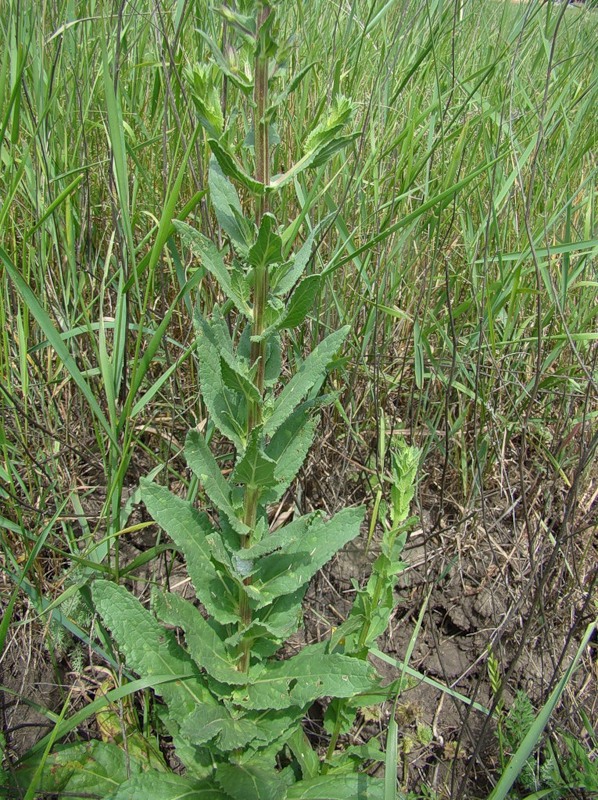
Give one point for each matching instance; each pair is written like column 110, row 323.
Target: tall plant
column 232, row 707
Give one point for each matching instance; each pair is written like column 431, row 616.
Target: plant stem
column 262, row 174
column 260, row 296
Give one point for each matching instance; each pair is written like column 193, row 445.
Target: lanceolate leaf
column 268, row 247
column 203, row 643
column 303, row 678
column 236, row 77
column 149, row 649
column 289, row 447
column 229, row 167
column 234, row 378
column 210, row 258
column 223, row 403
column 301, row 302
column 296, row 268
column 205, row 466
column 225, row 201
column 272, row 624
column 188, row 530
column 255, row 469
column 309, row 373
column 283, row 573
column 326, row 152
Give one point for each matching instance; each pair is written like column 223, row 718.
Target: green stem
column 260, row 298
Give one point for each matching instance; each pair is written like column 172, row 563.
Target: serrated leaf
column 268, row 246
column 205, row 97
column 296, row 267
column 308, row 374
column 272, row 625
column 273, row 366
column 283, row 573
column 339, row 787
column 205, row 466
column 255, row 469
column 248, row 782
column 301, row 302
column 218, row 724
column 231, row 168
column 289, row 447
column 188, row 529
column 280, row 539
column 304, row 678
column 327, row 130
column 231, row 733
column 242, row 22
column 158, row 786
column 230, row 217
column 203, row 643
column 234, row 378
column 210, row 258
column 224, row 405
column 326, row 152
column 149, row 649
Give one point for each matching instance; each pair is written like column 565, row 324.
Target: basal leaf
column 219, row 725
column 205, row 466
column 188, row 530
column 149, row 649
column 203, row 643
column 268, row 247
column 89, row 767
column 280, row 574
column 309, row 373
column 339, row 787
column 255, row 469
column 304, row 678
column 301, row 302
column 210, row 258
column 160, row 786
column 248, row 782
column 230, row 732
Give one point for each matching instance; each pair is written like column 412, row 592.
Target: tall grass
column 473, row 316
